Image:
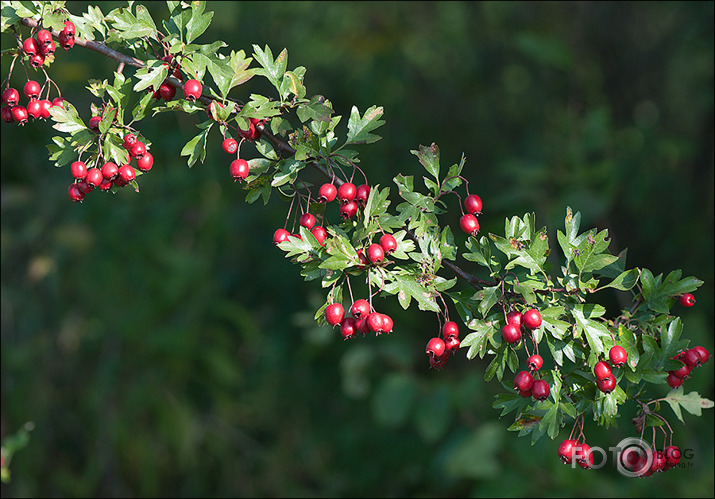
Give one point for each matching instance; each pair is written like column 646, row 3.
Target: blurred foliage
column 162, row 346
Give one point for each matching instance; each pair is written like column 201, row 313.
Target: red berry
column 49, row 49
column 450, row 330
column 514, row 317
column 85, row 187
column 37, row 60
column 602, row 370
column 32, row 89
column 192, row 89
column 11, row 96
column 683, row 372
column 361, row 194
column 673, row 380
column 6, row 114
column 348, row 327
column 672, row 456
column 435, row 347
column 66, row 41
column 280, row 235
column 34, row 109
column 388, row 243
column 362, row 259
column 19, row 114
column 346, row 193
column 94, row 123
column 307, row 220
column 375, row 322
column 583, row 455
column 659, row 462
column 511, row 333
column 119, row 181
column 687, row 300
column 212, row 108
column 138, row 150
column 127, row 173
column 327, row 193
column 473, row 204
column 387, row 323
column 334, row 314
column 523, row 381
column 320, row 234
column 110, row 170
column 30, row 47
column 375, row 253
column 692, row 358
column 437, row 362
column 59, row 102
column 469, row 224
column 129, row 140
column 94, row 177
column 43, row 37
column 69, row 28
column 361, row 325
column 531, row 319
column 167, row 91
column 566, row 450
column 348, row 210
column 230, row 146
column 359, row 309
column 535, row 362
column 145, row 162
column 540, row 389
column 704, row 354
column 75, row 193
column 45, row 106
column 78, row 170
column 452, row 343
column 606, row 385
column 618, row 356
column 239, row 169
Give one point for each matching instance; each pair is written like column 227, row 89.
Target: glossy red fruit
column 361, row 194
column 110, row 170
column 566, row 450
column 606, row 385
column 119, row 181
column 30, row 47
column 239, row 169
column 388, row 243
column 584, row 456
column 192, row 89
column 145, row 162
column 129, row 141
column 43, row 37
column 540, row 389
column 683, row 372
column 704, row 354
column 618, row 356
column 138, row 150
column 531, row 319
column 66, row 41
column 348, row 327
column 452, row 344
column 602, row 370
column 49, row 49
column 327, row 193
column 673, row 380
column 362, row 259
column 450, row 330
column 94, row 123
column 45, row 106
column 334, row 314
column 346, row 193
column 348, row 210
column 78, row 170
column 361, row 325
column 435, row 347
column 692, row 358
column 511, row 333
column 307, row 220
column 230, row 146
column 375, row 253
column 59, row 102
column 473, row 204
column 375, row 322
column 280, row 235
column 687, row 300
column 672, row 456
column 75, row 193
column 31, row 89
column 514, row 317
column 523, row 381
column 535, row 362
column 6, row 114
column 37, row 60
column 387, row 323
column 69, row 29
column 167, row 91
column 85, row 187
column 19, row 114
column 34, row 109
column 320, row 234
column 11, row 96
column 360, row 309
column 127, row 173
column 94, row 177
column 469, row 224
column 659, row 462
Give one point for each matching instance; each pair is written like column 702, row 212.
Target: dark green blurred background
column 163, row 347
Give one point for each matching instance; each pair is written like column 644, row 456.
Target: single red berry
column 85, row 187
column 531, row 319
column 687, row 300
column 6, row 114
column 361, row 194
column 602, row 370
column 535, row 362
column 375, row 322
column 45, row 106
column 32, row 89
column 138, row 150
column 49, row 49
column 230, row 146
column 145, row 162
column 249, row 134
column 659, row 462
column 435, row 347
column 348, row 327
column 192, row 89
column 346, row 193
column 59, row 102
column 672, row 456
column 348, row 210
column 606, row 385
column 167, row 91
column 69, row 29
column 452, row 344
column 540, row 389
column 683, row 372
column 523, row 381
column 514, row 317
column 387, row 323
column 78, row 170
column 75, row 193
column 19, row 114
column 212, row 108
column 327, row 193
column 119, row 181
column 704, row 354
column 692, row 358
column 469, row 224
column 30, row 47
column 673, row 380
column 110, row 170
column 473, row 204
column 618, row 356
column 127, row 173
column 362, row 259
column 437, row 362
column 43, row 37
column 511, row 333
column 388, row 243
column 334, row 314
column 11, row 96
column 375, row 253
column 129, row 141
column 360, row 309
column 280, row 235
column 450, row 330
column 66, row 41
column 583, row 455
column 37, row 60
column 94, row 177
column 320, row 234
column 307, row 220
column 94, row 123
column 239, row 169
column 361, row 325
column 34, row 109
column 566, row 450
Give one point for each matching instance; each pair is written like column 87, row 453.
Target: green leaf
column 429, row 158
column 144, row 19
column 196, row 147
column 66, row 120
column 406, row 288
column 595, row 331
column 359, row 128
column 199, row 21
column 692, row 402
column 151, row 76
column 625, row 281
column 272, row 69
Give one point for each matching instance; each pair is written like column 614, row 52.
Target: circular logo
column 633, row 457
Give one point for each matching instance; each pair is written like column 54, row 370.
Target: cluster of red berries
column 527, row 385
column 605, row 379
column 42, row 46
column 636, row 460
column 440, row 349
column 691, row 358
column 511, row 332
column 364, row 319
column 468, row 222
column 571, row 450
column 349, row 196
column 87, row 179
column 36, row 108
